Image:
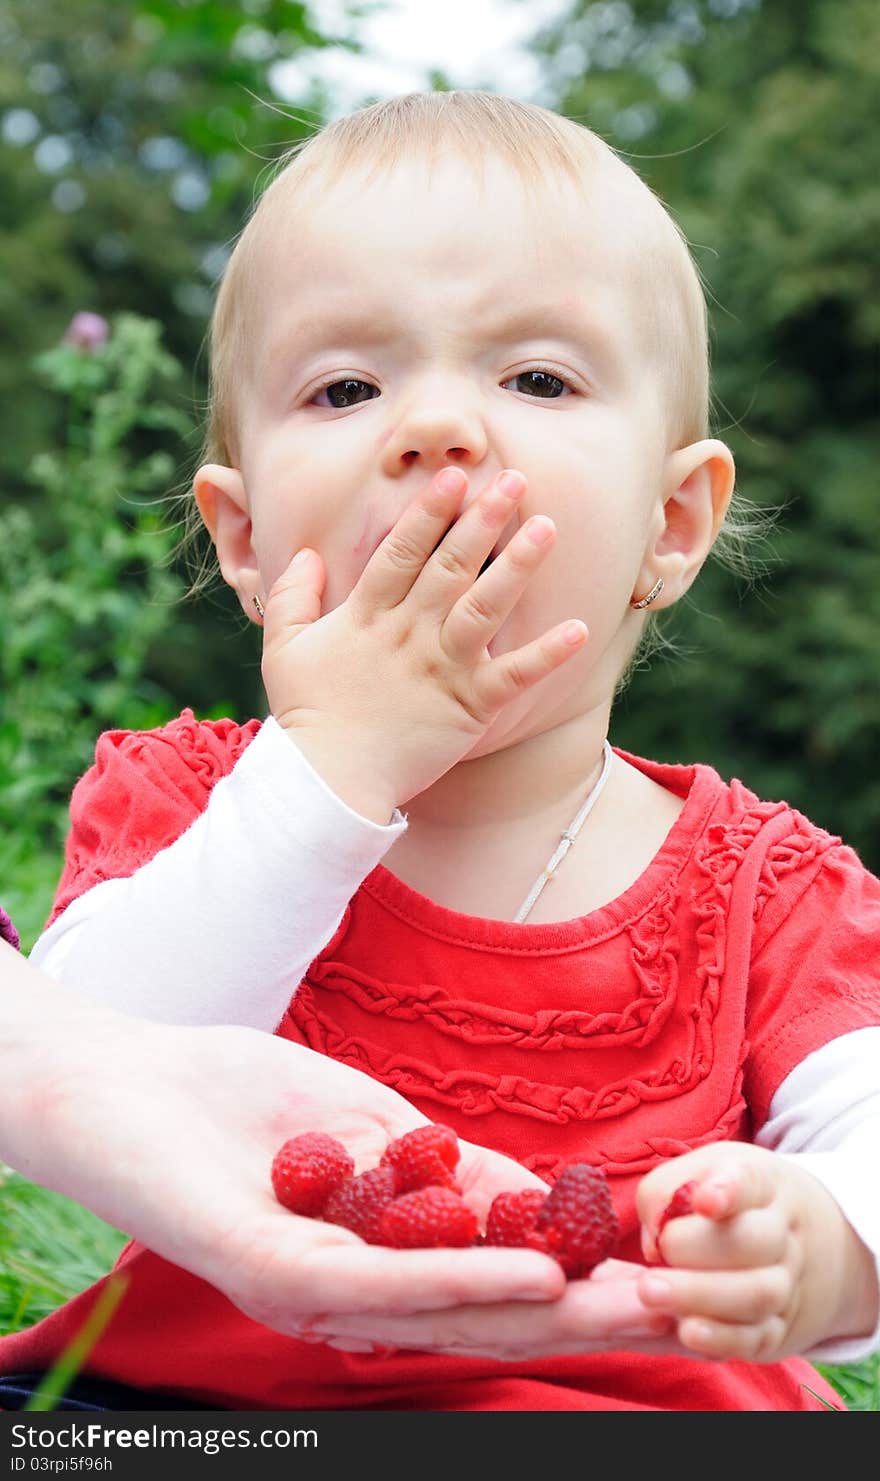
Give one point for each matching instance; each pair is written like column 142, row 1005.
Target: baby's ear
column 698, row 487
column 220, row 494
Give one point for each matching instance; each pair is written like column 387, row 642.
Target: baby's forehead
column 488, row 210
column 319, row 200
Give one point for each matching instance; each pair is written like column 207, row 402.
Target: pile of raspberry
column 412, row 1200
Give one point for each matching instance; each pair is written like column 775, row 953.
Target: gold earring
column 651, row 597
column 261, row 611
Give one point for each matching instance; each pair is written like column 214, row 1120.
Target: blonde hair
column 538, row 144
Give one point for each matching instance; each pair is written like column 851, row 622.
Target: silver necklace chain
column 568, row 837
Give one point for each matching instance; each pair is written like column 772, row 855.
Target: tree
column 134, row 137
column 755, row 124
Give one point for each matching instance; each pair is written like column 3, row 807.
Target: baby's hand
column 765, row 1264
column 391, row 689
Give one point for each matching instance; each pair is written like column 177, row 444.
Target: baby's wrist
column 857, row 1311
column 840, row 1270
column 340, row 763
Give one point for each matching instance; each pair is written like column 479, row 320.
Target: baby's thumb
column 295, row 598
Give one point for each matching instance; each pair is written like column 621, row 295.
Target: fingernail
column 301, row 557
column 450, row 481
column 540, row 529
column 720, row 1192
column 511, row 483
column 654, row 1288
column 698, row 1334
column 574, row 633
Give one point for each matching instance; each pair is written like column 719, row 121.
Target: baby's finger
column 720, row 1181
column 758, row 1237
column 479, row 613
column 740, row 1296
column 503, row 678
column 397, row 562
column 743, row 1185
column 294, row 600
column 763, row 1342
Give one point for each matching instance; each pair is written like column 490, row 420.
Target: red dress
column 661, row 1022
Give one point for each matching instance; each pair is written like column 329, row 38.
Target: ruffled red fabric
column 661, row 1022
column 143, row 791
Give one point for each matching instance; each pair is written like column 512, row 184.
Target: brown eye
column 341, row 394
column 548, row 387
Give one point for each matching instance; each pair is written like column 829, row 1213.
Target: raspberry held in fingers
column 680, row 1204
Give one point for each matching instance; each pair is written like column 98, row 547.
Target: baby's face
column 409, row 323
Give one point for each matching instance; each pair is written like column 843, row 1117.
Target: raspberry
column 576, row 1224
column 512, row 1216
column 681, row 1202
column 358, row 1203
column 427, row 1218
column 423, row 1158
column 307, row 1169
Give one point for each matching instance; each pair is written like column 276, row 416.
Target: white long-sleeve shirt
column 256, row 887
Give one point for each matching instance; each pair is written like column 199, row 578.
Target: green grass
column 50, row 1249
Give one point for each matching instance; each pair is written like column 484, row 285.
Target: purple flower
column 87, row 331
column 7, row 930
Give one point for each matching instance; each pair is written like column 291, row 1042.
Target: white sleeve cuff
column 221, row 926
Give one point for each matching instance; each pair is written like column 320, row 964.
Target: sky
column 477, row 43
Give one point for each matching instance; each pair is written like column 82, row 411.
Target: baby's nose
column 452, row 455
column 437, row 430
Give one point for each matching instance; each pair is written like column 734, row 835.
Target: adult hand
column 168, row 1133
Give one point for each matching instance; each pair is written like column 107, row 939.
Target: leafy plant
column 85, row 574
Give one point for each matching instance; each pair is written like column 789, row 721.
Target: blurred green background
column 134, row 137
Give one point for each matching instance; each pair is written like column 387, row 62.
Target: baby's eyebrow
column 559, row 319
column 361, row 328
column 371, row 329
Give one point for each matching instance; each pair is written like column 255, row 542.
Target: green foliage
column 754, row 123
column 134, row 136
column 84, row 572
column 160, row 118
column 857, row 1383
column 50, row 1250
